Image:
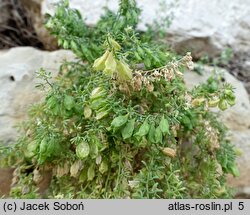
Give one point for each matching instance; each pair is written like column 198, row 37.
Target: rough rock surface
column 237, row 119
column 5, row 181
column 17, row 83
column 33, row 9
column 201, row 26
column 4, row 13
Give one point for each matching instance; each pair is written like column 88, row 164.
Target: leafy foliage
column 121, row 123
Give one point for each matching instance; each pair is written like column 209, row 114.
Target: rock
column 6, row 175
column 33, row 9
column 4, row 12
column 239, row 66
column 17, row 84
column 237, row 119
column 203, row 27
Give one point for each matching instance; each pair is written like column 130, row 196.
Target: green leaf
column 151, row 134
column 82, row 150
column 235, row 171
column 144, row 129
column 69, row 102
column 164, row 126
column 91, row 172
column 158, row 135
column 119, row 121
column 43, row 146
column 52, row 147
column 127, row 131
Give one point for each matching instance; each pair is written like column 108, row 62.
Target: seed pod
column 110, row 64
column 228, row 92
column 101, row 114
column 169, row 152
column 124, row 72
column 99, row 64
column 133, row 184
column 91, row 172
column 223, row 104
column 103, row 167
column 115, row 44
column 83, row 176
column 75, row 168
column 150, row 87
column 87, row 112
column 213, row 103
column 98, row 159
column 98, row 103
column 230, row 99
column 82, row 150
column 198, row 101
column 62, row 170
column 97, row 93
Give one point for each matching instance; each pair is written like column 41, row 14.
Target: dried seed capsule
column 213, row 103
column 75, row 168
column 197, row 102
column 169, row 152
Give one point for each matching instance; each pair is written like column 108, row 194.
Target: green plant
column 120, row 122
